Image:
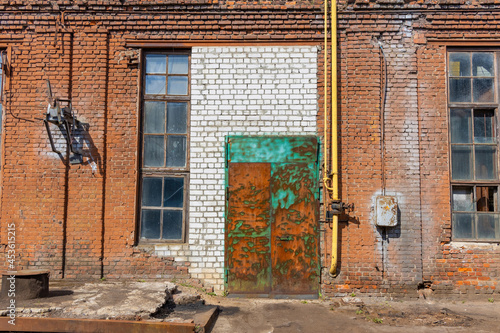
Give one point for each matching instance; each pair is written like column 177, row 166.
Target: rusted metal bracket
column 63, row 118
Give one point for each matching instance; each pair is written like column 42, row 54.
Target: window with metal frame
column 165, row 142
column 473, row 113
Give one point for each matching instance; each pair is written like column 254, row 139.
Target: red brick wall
column 80, row 223
column 69, row 219
column 415, row 159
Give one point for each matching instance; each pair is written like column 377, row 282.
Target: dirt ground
column 356, row 315
column 164, row 301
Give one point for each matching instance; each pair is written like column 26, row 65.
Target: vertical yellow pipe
column 335, row 179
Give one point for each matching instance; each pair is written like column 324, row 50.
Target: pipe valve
column 338, row 207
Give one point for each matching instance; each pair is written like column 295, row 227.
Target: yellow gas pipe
column 334, row 167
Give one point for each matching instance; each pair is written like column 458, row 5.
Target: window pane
column 459, row 64
column 486, row 225
column 153, row 150
column 177, row 85
column 460, row 90
column 485, row 162
column 155, row 85
column 154, row 121
column 178, row 64
column 174, row 192
column 177, row 118
column 460, row 120
column 150, row 223
column 462, row 225
column 172, row 224
column 156, row 64
column 462, row 199
column 482, row 64
column 176, row 151
column 151, row 191
column 483, row 90
column 461, row 162
column 483, row 126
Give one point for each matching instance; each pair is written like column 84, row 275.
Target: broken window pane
column 176, row 151
column 463, row 199
column 462, row 225
column 151, row 191
column 460, row 120
column 156, row 64
column 172, row 224
column 483, row 126
column 483, row 90
column 461, row 166
column 486, row 198
column 459, row 64
column 177, row 118
column 482, row 64
column 173, row 192
column 177, row 85
column 150, row 223
column 178, row 64
column 154, row 151
column 485, row 162
column 154, row 114
column 155, row 85
column 460, row 90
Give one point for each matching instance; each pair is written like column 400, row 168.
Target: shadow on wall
column 391, row 232
column 79, row 146
column 344, row 221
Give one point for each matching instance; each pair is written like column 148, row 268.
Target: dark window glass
column 177, row 118
column 154, row 114
column 462, row 225
column 460, row 90
column 486, row 162
column 482, row 64
column 151, row 191
column 167, row 194
column 165, row 119
column 483, row 90
column 473, row 140
column 174, row 192
column 154, row 150
column 459, row 64
column 172, row 224
column 463, row 200
column 484, row 131
column 461, row 126
column 176, row 151
column 151, row 224
column 461, row 157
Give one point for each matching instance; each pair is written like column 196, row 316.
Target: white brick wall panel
column 235, row 91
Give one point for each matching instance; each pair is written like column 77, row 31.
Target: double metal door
column 272, row 217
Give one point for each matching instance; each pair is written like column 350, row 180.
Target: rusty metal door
column 272, row 216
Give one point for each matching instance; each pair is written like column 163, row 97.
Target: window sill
column 493, row 245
